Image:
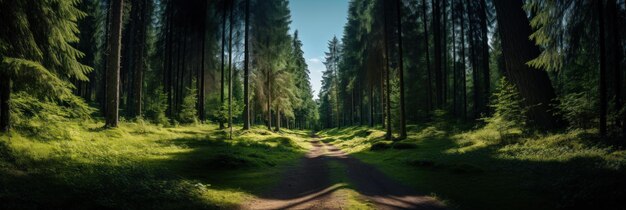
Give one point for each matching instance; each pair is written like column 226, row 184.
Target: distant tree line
column 165, row 61
column 410, row 61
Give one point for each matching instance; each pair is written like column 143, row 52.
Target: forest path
column 312, row 184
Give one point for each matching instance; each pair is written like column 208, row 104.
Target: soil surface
column 309, row 185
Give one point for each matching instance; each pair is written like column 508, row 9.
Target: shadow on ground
column 487, row 177
column 312, row 184
column 201, row 174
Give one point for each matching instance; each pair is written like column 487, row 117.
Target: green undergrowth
column 142, row 166
column 478, row 168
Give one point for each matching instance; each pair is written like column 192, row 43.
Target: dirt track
column 308, row 185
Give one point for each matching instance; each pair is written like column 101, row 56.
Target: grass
column 139, row 166
column 473, row 168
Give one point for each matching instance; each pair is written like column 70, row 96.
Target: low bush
column 47, row 118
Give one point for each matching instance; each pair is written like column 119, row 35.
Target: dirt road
column 308, row 185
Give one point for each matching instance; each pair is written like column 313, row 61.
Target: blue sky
column 317, row 21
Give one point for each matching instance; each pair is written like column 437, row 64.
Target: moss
column 141, row 165
column 478, row 168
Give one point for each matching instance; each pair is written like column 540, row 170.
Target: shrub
column 579, row 109
column 156, row 105
column 188, row 110
column 221, row 114
column 46, row 117
column 510, row 113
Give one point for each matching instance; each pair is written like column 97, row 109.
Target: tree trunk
column 167, row 76
column 426, row 45
column 246, row 111
column 454, row 64
column 616, row 60
column 401, row 70
column 437, row 45
column 371, row 114
column 140, row 40
column 388, row 135
column 202, row 82
column 183, row 69
column 473, row 61
column 5, row 96
column 222, row 86
column 485, row 53
column 382, row 91
column 269, row 102
column 230, row 67
column 113, row 66
column 533, row 84
column 101, row 96
column 277, row 119
column 463, row 64
column 444, row 43
column 602, row 89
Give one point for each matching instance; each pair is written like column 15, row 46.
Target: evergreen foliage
column 156, row 105
column 509, row 109
column 188, row 113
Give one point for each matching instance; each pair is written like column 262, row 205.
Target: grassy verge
column 141, row 166
column 473, row 169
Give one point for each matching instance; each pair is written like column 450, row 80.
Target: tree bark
column 167, row 75
column 382, row 91
column 277, row 119
column 246, row 111
column 388, row 135
column 140, row 40
column 463, row 64
column 437, row 45
column 113, row 66
column 222, row 86
column 230, row 69
column 269, row 102
column 454, row 64
column 401, row 70
column 616, row 60
column 533, row 84
column 202, row 82
column 371, row 100
column 444, row 42
column 101, row 96
column 602, row 88
column 427, row 46
column 485, row 54
column 473, row 61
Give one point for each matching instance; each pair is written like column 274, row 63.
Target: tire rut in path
column 308, row 185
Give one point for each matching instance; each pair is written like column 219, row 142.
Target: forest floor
column 141, row 166
column 473, row 168
column 327, row 178
column 79, row 165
